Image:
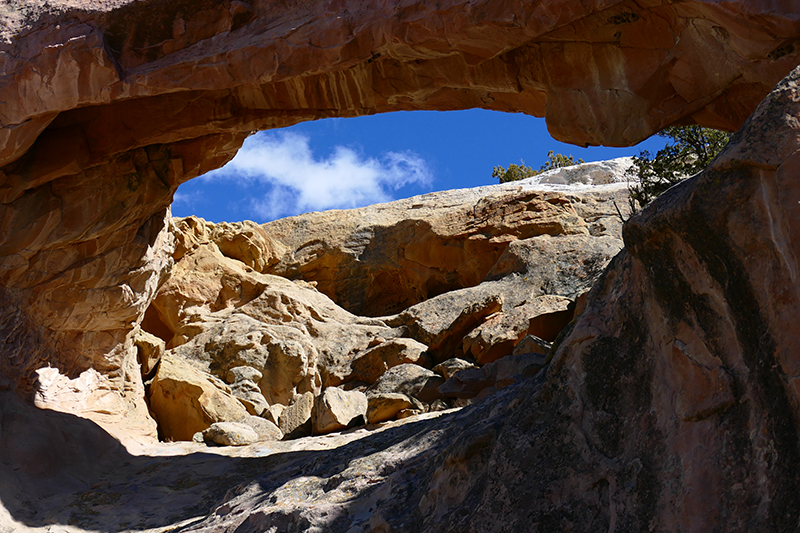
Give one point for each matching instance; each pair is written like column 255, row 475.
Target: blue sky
column 353, row 162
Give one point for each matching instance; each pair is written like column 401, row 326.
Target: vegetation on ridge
column 521, row 171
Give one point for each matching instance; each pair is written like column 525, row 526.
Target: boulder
column 466, row 383
column 149, row 351
column 369, row 365
column 243, row 373
column 184, row 400
column 273, row 413
column 250, row 395
column 408, row 413
column 230, row 434
column 244, row 385
column 514, row 368
column 384, row 406
column 295, row 420
column 498, row 335
column 442, row 322
column 412, row 380
column 480, row 382
column 336, row 409
column 449, row 367
column 265, row 429
column 532, row 344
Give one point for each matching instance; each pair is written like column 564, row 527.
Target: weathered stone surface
column 337, row 409
column 93, row 396
column 534, row 63
column 249, row 393
column 443, row 321
column 149, row 349
column 563, row 266
column 498, row 335
column 531, row 344
column 466, row 383
column 243, row 373
column 265, row 429
column 185, row 400
column 480, row 382
column 384, row 406
column 295, row 420
column 671, row 405
column 74, row 71
column 370, row 364
column 222, row 314
column 514, row 368
column 244, row 386
column 421, row 246
column 449, row 367
column 273, row 413
column 412, row 380
column 230, row 434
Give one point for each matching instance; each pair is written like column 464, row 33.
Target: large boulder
column 442, row 322
column 384, row 406
column 499, row 334
column 149, row 351
column 230, row 434
column 295, row 420
column 370, row 364
column 244, row 385
column 185, row 400
column 411, row 380
column 337, row 409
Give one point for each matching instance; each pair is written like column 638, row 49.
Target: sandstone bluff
column 668, row 402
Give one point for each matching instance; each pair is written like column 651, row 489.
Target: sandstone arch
column 107, row 109
column 121, row 101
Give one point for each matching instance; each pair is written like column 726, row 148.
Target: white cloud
column 299, row 182
column 188, row 199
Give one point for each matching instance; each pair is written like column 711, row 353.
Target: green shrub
column 514, row 172
column 691, row 149
column 520, row 172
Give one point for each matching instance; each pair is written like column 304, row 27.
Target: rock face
column 277, row 341
column 422, row 246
